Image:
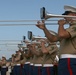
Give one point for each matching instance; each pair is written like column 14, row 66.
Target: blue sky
column 25, row 10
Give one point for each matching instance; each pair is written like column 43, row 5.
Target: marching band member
column 4, row 68
column 18, row 70
column 49, row 53
column 31, row 61
column 38, row 59
column 27, row 55
column 12, row 63
column 67, row 38
column 8, row 64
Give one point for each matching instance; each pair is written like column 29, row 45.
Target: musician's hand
column 33, row 46
column 62, row 22
column 41, row 25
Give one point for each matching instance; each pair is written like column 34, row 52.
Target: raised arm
column 50, row 37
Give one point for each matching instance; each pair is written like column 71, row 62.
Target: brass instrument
column 45, row 15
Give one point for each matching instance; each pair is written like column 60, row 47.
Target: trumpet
column 32, row 37
column 38, row 38
column 45, row 15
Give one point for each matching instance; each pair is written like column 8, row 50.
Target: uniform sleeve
column 72, row 30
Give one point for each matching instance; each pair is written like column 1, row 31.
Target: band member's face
column 3, row 58
column 69, row 19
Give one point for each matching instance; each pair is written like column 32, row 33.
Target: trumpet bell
column 43, row 13
column 30, row 35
